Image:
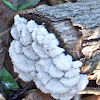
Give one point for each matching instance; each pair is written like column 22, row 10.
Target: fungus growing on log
column 36, row 56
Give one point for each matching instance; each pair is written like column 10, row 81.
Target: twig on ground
column 5, row 32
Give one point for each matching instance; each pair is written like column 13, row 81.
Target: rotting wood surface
column 77, row 27
column 91, row 90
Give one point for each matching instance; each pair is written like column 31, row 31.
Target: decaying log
column 91, row 62
column 91, row 97
column 91, row 90
column 77, row 27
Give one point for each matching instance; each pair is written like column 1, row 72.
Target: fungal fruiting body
column 36, row 56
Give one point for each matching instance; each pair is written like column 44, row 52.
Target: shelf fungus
column 36, row 55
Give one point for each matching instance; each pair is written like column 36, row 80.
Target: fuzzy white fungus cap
column 36, row 56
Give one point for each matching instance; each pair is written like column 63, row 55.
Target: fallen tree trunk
column 91, row 90
column 77, row 27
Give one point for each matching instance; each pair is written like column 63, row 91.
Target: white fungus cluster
column 36, row 56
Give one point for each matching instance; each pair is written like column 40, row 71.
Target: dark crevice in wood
column 78, row 28
column 92, row 40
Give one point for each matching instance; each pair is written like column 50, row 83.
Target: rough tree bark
column 76, row 25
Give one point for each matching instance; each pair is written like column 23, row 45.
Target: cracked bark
column 77, row 27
